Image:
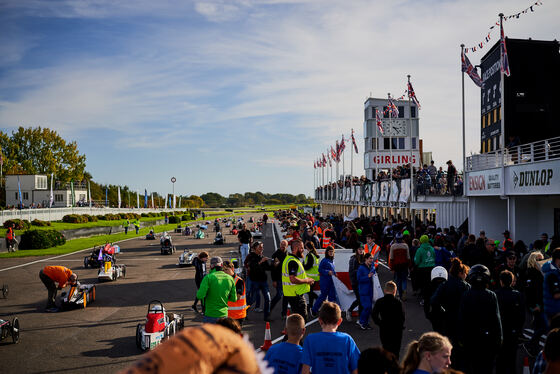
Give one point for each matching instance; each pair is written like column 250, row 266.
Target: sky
column 235, row 96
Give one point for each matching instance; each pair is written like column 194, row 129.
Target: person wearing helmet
column 435, row 312
column 480, row 322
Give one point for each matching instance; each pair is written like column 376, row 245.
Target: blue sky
column 238, row 95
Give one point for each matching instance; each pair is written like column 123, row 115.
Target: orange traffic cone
column 267, row 338
column 526, row 369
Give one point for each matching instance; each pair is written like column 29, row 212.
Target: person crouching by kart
column 50, row 275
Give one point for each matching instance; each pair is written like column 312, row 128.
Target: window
column 488, row 120
column 26, row 196
column 401, row 143
column 41, row 182
column 386, row 143
column 374, row 143
column 413, row 143
column 483, row 121
column 59, row 197
column 488, row 149
column 499, row 114
column 401, row 111
column 495, row 117
column 412, row 112
column 366, row 113
column 483, row 146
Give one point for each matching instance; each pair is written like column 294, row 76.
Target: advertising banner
column 485, row 182
column 541, row 178
column 386, row 159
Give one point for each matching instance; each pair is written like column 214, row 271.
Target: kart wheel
column 5, row 291
column 93, row 293
column 86, row 262
column 15, row 330
column 139, row 336
column 123, row 271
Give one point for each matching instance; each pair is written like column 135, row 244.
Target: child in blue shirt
column 285, row 357
column 330, row 351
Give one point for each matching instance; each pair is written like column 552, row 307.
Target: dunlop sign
column 535, row 179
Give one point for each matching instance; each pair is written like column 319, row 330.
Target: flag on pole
column 392, row 108
column 89, row 193
column 145, row 198
column 170, row 202
column 354, row 142
column 137, row 199
column 333, row 154
column 19, row 193
column 412, row 95
column 119, row 195
column 329, row 157
column 72, row 192
column 51, row 196
column 337, row 151
column 106, row 196
column 324, row 160
column 342, row 145
column 378, row 121
column 503, row 52
column 466, row 67
column 153, row 206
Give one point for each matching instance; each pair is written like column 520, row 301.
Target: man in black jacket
column 512, row 314
column 258, row 265
column 276, row 274
column 388, row 314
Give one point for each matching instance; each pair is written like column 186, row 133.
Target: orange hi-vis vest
column 375, row 250
column 326, row 239
column 238, row 309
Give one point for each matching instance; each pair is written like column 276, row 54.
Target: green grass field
column 84, row 243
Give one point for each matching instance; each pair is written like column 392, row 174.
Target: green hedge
column 18, row 224
column 174, row 219
column 38, row 222
column 40, row 239
column 74, row 218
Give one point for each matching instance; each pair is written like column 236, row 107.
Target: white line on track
column 55, row 257
column 274, row 237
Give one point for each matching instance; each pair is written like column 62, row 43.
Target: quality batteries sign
column 535, row 179
column 484, row 183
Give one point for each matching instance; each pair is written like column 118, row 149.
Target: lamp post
column 173, row 180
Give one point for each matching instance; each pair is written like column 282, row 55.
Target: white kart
column 159, row 326
column 186, row 258
column 110, row 272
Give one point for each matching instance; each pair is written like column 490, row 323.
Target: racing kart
column 167, row 246
column 151, row 235
column 93, row 259
column 186, row 258
column 256, row 233
column 199, row 234
column 219, row 239
column 159, row 326
column 8, row 328
column 187, row 231
column 110, row 271
column 79, row 296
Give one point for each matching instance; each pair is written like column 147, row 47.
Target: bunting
column 488, row 36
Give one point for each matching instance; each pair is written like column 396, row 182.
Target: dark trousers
column 278, row 297
column 298, row 305
column 506, row 360
column 391, row 339
column 356, row 302
column 51, row 287
column 481, row 359
column 262, row 287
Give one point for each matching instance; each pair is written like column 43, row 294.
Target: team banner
column 384, row 193
column 405, row 191
column 394, row 192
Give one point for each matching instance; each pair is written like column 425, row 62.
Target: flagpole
column 352, row 157
column 410, row 145
column 463, row 110
column 343, row 163
column 390, row 139
column 502, row 111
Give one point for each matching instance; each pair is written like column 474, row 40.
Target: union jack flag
column 503, row 50
column 333, row 154
column 392, row 108
column 324, row 160
column 337, row 158
column 378, row 121
column 354, row 142
column 314, row 164
column 412, row 95
column 329, row 157
column 342, row 145
column 466, row 67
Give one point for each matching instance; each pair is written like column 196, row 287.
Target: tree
column 213, row 199
column 42, row 151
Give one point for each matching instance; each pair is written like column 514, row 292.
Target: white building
column 394, row 146
column 35, row 191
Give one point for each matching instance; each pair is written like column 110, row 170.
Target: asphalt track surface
column 101, row 338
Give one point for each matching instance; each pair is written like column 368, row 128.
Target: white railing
column 542, row 150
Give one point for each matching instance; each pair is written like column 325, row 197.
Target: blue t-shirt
column 330, row 352
column 418, row 371
column 285, row 358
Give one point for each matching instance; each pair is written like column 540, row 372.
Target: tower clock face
column 395, row 127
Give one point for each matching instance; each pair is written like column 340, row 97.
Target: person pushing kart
column 50, row 275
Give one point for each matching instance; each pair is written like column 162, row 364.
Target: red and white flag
column 378, row 121
column 354, row 142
